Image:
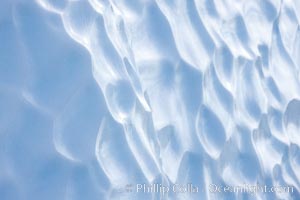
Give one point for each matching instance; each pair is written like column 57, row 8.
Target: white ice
column 99, row 94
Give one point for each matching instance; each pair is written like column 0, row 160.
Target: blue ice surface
column 99, row 96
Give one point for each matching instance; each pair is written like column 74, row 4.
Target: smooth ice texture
column 99, row 94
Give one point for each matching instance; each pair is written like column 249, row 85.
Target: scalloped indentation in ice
column 97, row 96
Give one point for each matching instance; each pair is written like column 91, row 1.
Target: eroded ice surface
column 98, row 94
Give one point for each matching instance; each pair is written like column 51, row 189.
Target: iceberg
column 149, row 99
